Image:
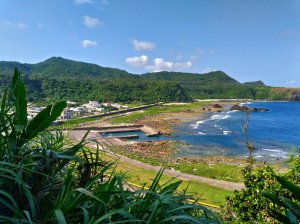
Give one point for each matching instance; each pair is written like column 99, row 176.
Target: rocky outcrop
column 249, row 109
column 217, row 106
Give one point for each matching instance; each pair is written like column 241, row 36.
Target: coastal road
column 227, row 185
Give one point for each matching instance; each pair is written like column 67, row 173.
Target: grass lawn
column 157, row 110
column 216, row 170
column 206, row 193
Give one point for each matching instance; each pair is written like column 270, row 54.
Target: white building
column 100, row 109
column 33, row 111
column 79, row 111
column 71, row 103
column 93, row 104
column 119, row 106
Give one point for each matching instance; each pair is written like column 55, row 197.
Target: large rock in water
column 249, row 109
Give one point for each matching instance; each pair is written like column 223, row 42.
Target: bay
column 273, row 133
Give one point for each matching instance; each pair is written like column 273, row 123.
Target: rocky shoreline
column 248, row 109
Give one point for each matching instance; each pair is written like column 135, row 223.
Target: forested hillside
column 62, row 79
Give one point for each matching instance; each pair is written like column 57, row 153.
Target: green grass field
column 206, row 193
column 157, row 110
column 216, row 170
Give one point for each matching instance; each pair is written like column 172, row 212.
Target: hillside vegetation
column 64, row 79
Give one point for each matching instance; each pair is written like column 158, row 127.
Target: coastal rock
column 249, row 109
column 217, row 106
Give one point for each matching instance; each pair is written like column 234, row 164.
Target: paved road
column 183, row 176
column 173, row 173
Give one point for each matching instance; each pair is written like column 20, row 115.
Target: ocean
column 273, row 134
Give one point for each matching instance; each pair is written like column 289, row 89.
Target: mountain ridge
column 58, row 66
column 58, row 78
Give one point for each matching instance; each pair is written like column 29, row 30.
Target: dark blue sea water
column 272, row 133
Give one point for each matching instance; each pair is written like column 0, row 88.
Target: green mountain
column 192, row 79
column 60, row 67
column 57, row 66
column 7, row 67
column 255, row 83
column 57, row 78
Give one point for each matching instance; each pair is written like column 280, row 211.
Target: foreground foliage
column 267, row 197
column 45, row 179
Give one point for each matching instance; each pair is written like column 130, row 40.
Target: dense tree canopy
column 59, row 78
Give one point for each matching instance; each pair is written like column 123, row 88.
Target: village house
column 67, row 114
column 33, row 111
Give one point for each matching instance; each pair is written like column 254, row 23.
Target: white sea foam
column 275, row 153
column 201, row 133
column 219, row 116
column 201, row 122
column 232, row 111
column 227, row 132
column 198, row 123
column 272, row 150
column 247, row 103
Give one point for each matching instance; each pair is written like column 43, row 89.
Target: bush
column 252, row 204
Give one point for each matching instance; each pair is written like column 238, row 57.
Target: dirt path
column 227, row 185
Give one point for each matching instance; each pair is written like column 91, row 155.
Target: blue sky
column 249, row 40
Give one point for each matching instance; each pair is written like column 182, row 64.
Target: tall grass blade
column 60, row 216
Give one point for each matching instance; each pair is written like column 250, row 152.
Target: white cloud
column 160, row 65
column 137, row 61
column 91, row 22
column 88, row 43
column 104, row 2
column 199, row 53
column 181, row 65
column 207, row 70
column 142, row 45
column 79, row 2
column 291, row 82
column 18, row 25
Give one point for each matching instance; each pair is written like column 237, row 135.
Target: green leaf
column 86, row 217
column 60, row 216
column 293, row 206
column 171, row 188
column 273, row 198
column 28, row 217
column 278, row 216
column 21, row 102
column 43, row 120
column 289, row 185
column 292, row 218
column 4, row 99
